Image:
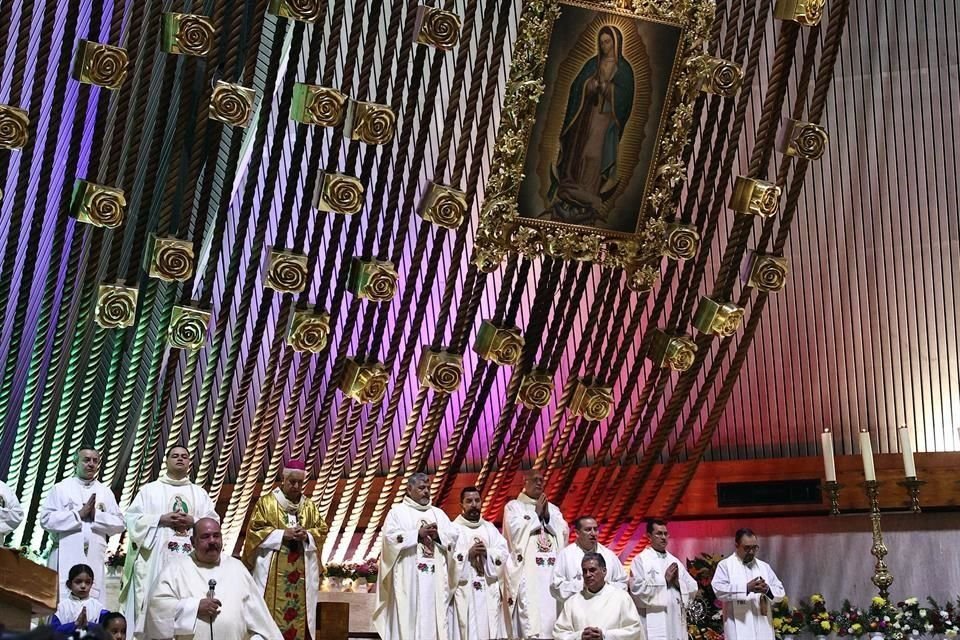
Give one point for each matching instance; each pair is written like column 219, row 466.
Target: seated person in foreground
column 599, row 612
column 78, row 609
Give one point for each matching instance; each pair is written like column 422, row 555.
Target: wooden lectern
column 27, row 590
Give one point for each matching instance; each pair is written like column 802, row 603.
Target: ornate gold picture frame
column 596, row 115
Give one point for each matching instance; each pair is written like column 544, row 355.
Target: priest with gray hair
column 418, row 572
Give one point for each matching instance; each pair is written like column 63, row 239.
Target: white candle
column 829, row 468
column 869, row 473
column 906, row 445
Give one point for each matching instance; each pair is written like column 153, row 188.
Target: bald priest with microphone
column 208, row 596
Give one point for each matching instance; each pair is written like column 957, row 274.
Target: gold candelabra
column 912, row 485
column 833, row 490
column 882, row 577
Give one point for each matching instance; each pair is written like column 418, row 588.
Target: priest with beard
column 281, row 548
column 536, row 533
column 601, row 611
column 567, row 578
column 418, row 569
column 159, row 522
column 661, row 586
column 482, row 560
column 207, row 595
column 80, row 514
column 748, row 588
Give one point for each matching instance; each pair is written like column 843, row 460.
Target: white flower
column 886, row 618
column 923, row 613
column 910, row 601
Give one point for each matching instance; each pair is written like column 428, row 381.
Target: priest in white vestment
column 207, row 596
column 599, row 612
column 567, row 574
column 748, row 587
column 159, row 522
column 418, row 570
column 11, row 512
column 80, row 514
column 536, row 532
column 482, row 553
column 661, row 587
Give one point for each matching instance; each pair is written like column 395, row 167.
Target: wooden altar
column 27, row 590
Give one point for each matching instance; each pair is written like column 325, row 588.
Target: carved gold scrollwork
column 286, row 271
column 308, row 331
column 374, row 280
column 116, row 306
column 803, row 139
column 643, row 278
column 320, row 106
column 441, row 371
column 187, row 34
column 100, row 64
column 188, row 327
column 365, row 382
column 536, row 390
column 806, row 13
column 437, row 28
column 755, row 197
column 171, row 259
column 717, row 318
column 14, row 127
column 232, row 104
column 369, row 122
column 502, row 345
column 677, row 352
column 98, row 205
column 338, row 193
column 593, row 402
column 302, row 10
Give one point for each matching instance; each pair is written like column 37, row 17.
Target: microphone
column 213, row 585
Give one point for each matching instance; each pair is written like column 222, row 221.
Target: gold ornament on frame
column 316, row 105
column 188, row 327
column 677, row 352
column 593, row 402
column 501, row 345
column 187, row 34
column 441, row 371
column 308, row 331
column 369, row 122
column 97, row 204
column 339, row 193
column 100, row 64
column 717, row 318
column 14, row 127
column 755, row 197
column 171, row 259
column 286, row 271
column 116, row 306
column 806, row 13
column 301, row 10
column 437, row 28
column 642, row 279
column 536, row 390
column 766, row 272
column 443, row 206
column 373, row 280
column 364, row 382
column 803, row 139
column 232, row 104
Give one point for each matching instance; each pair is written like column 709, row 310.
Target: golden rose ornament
column 116, row 306
column 593, row 402
column 502, row 345
column 100, row 64
column 339, row 193
column 364, row 382
column 316, row 105
column 678, row 352
column 188, row 327
column 443, row 206
column 717, row 318
column 755, row 197
column 97, row 204
column 286, row 271
column 232, row 104
column 308, row 331
column 187, row 34
column 171, row 259
column 719, row 76
column 301, row 10
column 369, row 122
column 374, row 280
column 802, row 139
column 437, row 28
column 681, row 241
column 536, row 390
column 441, row 371
column 806, row 13
column 767, row 273
column 14, row 127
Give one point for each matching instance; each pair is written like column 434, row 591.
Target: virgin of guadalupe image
column 586, row 173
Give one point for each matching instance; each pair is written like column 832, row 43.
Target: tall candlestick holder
column 833, row 491
column 912, row 486
column 882, row 577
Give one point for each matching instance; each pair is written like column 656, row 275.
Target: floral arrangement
column 116, row 559
column 910, row 618
column 816, row 618
column 787, row 621
column 880, row 616
column 352, row 571
column 704, row 614
column 943, row 620
column 850, row 621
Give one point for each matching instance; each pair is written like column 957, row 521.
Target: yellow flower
column 816, row 598
column 777, row 623
column 825, row 625
column 856, row 628
column 878, row 601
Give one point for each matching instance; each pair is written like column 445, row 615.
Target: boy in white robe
column 207, row 596
column 11, row 512
column 536, row 532
column 482, row 562
column 159, row 521
column 80, row 513
column 600, row 611
column 661, row 587
column 567, row 575
column 418, row 572
column 748, row 587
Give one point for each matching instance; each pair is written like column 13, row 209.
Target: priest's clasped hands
column 672, row 576
column 592, row 633
column 478, row 557
column 295, row 533
column 88, row 510
column 176, row 520
column 428, row 532
column 758, row 585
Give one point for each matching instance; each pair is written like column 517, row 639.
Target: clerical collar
column 660, row 554
column 468, row 523
column 524, row 498
column 166, row 479
column 587, row 594
column 410, row 502
column 85, row 482
column 596, row 548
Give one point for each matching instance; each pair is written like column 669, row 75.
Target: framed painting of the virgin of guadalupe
column 589, row 147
